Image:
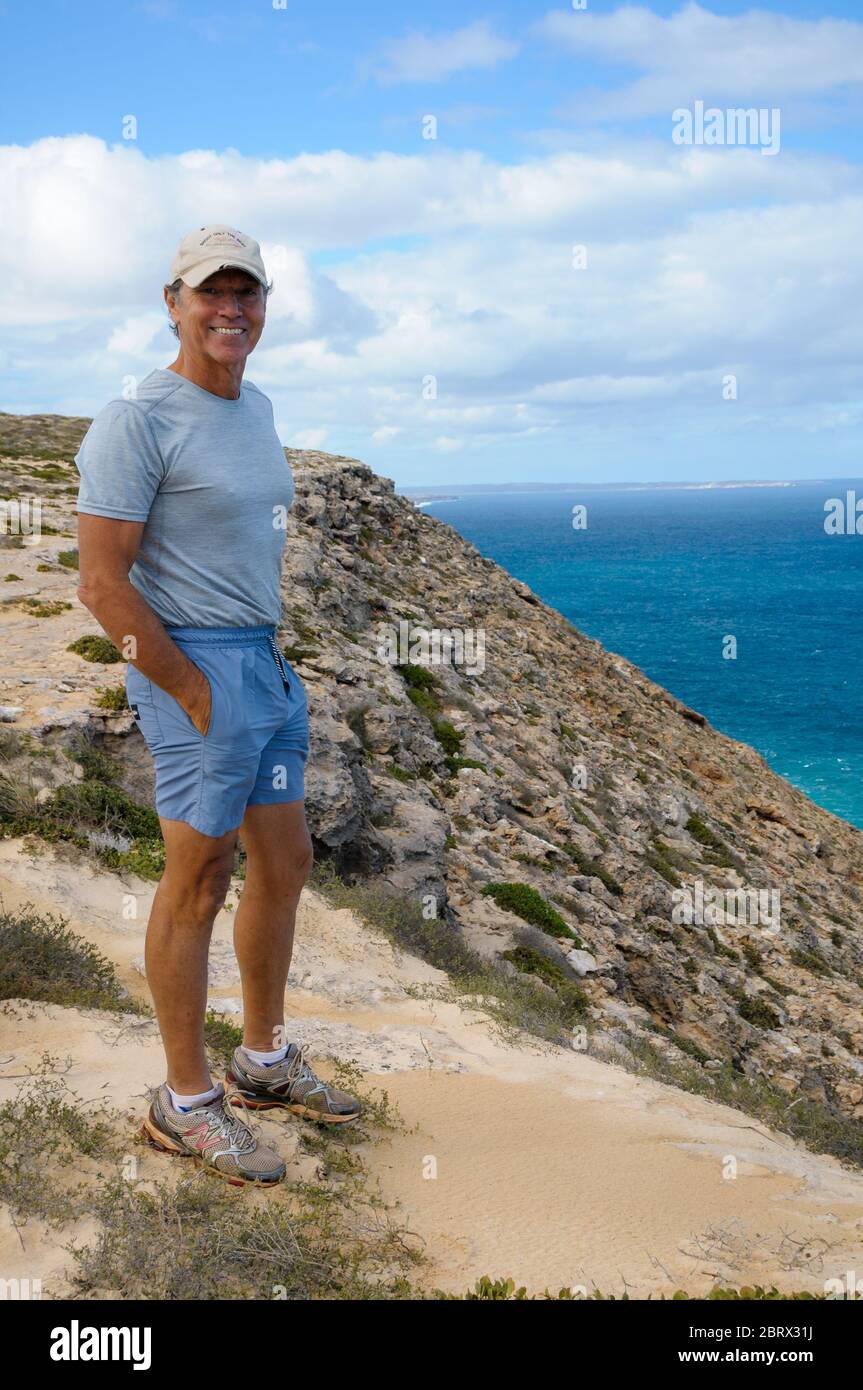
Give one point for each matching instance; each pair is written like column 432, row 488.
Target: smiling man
column 184, row 493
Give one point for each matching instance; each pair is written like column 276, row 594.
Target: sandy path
column 551, row 1167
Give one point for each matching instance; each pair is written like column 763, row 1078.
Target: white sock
column 266, row 1059
column 192, row 1102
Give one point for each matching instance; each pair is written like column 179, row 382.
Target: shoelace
column 231, row 1127
column 299, row 1070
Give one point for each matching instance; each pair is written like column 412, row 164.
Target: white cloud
column 435, row 57
column 309, row 439
column 699, row 263
column 134, row 336
column 696, row 54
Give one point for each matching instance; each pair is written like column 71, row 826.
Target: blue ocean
column 665, row 576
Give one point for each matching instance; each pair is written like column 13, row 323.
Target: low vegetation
column 95, row 648
column 93, row 814
column 64, row 1163
column 41, row 958
column 529, row 905
column 514, row 1003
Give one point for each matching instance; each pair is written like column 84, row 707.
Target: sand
column 521, row 1160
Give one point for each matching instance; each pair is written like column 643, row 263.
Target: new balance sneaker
column 291, row 1084
column 214, row 1136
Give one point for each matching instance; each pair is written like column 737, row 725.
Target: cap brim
column 196, row 277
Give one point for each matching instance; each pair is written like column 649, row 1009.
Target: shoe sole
column 158, row 1140
column 255, row 1102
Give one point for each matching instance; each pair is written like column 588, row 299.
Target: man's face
column 223, row 318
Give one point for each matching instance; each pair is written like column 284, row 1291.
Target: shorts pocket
column 139, row 694
column 296, row 685
column 174, row 719
column 291, row 683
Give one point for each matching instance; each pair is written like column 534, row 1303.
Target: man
column 184, row 494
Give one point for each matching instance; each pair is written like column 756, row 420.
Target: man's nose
column 230, row 305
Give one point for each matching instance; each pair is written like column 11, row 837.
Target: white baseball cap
column 218, row 247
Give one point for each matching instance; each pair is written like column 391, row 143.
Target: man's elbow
column 93, row 590
column 85, row 596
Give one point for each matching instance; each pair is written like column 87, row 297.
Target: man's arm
column 106, row 551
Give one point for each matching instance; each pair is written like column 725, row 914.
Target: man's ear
column 170, row 301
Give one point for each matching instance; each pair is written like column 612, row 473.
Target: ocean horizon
column 674, row 576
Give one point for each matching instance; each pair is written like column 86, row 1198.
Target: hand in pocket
column 201, row 711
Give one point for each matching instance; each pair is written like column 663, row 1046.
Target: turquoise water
column 663, row 576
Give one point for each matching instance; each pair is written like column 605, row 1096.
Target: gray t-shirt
column 211, row 480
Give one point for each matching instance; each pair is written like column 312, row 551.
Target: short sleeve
column 120, row 465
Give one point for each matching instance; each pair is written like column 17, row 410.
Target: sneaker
column 214, row 1136
column 291, row 1084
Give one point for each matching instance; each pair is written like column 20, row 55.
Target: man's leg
column 191, row 892
column 278, row 861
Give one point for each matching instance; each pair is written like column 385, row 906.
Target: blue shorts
column 255, row 748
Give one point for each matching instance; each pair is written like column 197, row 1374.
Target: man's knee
column 296, row 865
column 199, row 892
column 215, row 880
column 303, row 859
column 286, row 876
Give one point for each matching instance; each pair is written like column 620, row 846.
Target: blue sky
column 399, row 259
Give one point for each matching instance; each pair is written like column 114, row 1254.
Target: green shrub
column 592, row 869
column 454, row 764
column 753, row 957
column 401, row 774
column 809, row 960
column 756, row 1011
column 40, row 608
column 112, row 697
column 505, row 1290
column 101, row 807
column 571, row 995
column 418, row 677
column 529, row 905
column 719, row 946
column 691, row 1049
column 94, row 648
column 40, row 958
column 221, row 1036
column 146, row 858
column 424, row 701
column 41, row 1135
column 422, row 687
column 297, row 654
column 447, row 736
column 94, row 804
column 719, row 852
column 662, row 867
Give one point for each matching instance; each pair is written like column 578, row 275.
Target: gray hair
column 174, row 291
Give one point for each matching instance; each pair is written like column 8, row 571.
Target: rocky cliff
column 537, row 793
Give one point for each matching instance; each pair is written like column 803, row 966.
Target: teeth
column 229, row 330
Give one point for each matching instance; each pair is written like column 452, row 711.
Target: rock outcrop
column 545, row 760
